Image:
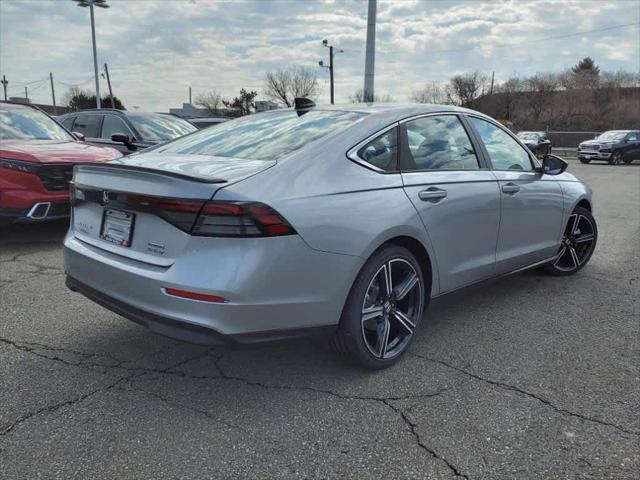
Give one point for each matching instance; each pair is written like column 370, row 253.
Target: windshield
column 611, row 136
column 262, row 136
column 528, row 136
column 160, row 128
column 29, row 124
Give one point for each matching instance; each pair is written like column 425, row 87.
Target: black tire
column 575, row 250
column 585, row 160
column 356, row 335
column 616, row 158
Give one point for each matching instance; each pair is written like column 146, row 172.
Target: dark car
column 537, row 142
column 125, row 131
column 37, row 156
column 614, row 146
column 206, row 122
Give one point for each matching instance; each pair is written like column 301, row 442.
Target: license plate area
column 117, row 227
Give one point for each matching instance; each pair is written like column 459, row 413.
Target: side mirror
column 79, row 136
column 120, row 138
column 553, row 165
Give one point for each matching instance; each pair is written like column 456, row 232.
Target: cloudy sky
column 157, row 48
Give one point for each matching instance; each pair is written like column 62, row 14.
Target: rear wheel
column 578, row 243
column 616, row 158
column 383, row 309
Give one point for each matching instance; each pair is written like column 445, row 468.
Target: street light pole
column 90, row 4
column 95, row 54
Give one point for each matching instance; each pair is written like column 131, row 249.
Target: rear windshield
column 29, row 124
column 265, row 136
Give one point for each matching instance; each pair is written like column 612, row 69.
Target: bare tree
column 285, row 84
column 358, row 97
column 432, row 92
column 542, row 88
column 510, row 93
column 467, row 87
column 211, row 101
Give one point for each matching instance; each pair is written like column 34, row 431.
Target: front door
column 532, row 203
column 457, row 199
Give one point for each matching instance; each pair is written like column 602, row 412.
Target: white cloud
column 157, row 48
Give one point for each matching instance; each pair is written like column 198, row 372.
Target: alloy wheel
column 577, row 243
column 391, row 308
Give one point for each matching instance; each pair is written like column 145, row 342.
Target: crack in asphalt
column 413, row 428
column 59, row 405
column 187, row 407
column 526, row 393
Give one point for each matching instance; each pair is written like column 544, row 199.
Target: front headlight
column 19, row 165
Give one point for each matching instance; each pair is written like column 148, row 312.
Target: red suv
column 37, row 156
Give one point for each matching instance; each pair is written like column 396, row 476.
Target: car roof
column 390, row 112
column 116, row 111
column 18, row 106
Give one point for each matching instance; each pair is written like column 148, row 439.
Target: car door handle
column 432, row 194
column 510, row 188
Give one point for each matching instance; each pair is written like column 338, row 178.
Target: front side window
column 504, row 152
column 633, row 137
column 263, row 136
column 440, row 143
column 29, row 124
column 88, row 125
column 382, row 151
column 113, row 124
column 160, row 128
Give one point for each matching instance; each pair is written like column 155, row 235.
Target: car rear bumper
column 273, row 288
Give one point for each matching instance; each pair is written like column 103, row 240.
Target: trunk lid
column 143, row 208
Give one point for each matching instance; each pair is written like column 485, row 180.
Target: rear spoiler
column 167, row 173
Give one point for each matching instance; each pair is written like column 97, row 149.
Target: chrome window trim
column 352, row 153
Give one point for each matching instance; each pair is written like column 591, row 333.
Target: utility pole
column 106, row 70
column 493, row 76
column 189, row 95
column 330, row 67
column 4, row 82
column 370, row 58
column 53, row 94
column 26, row 93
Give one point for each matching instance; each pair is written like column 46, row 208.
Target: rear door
column 531, row 202
column 456, row 196
column 633, row 145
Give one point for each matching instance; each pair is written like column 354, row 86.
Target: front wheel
column 578, row 243
column 616, row 158
column 383, row 309
column 585, row 160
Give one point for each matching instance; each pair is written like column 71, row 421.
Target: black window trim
column 353, row 152
column 536, row 167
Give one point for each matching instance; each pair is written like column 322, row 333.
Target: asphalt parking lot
column 524, row 377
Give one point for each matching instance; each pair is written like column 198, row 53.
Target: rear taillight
column 240, row 219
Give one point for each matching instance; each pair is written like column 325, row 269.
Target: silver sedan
column 348, row 219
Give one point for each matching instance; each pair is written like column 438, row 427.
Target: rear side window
column 440, row 143
column 382, row 151
column 88, row 125
column 504, row 152
column 264, row 136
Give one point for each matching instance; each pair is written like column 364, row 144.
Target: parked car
column 125, row 131
column 37, row 156
column 537, row 142
column 342, row 219
column 614, row 146
column 206, row 122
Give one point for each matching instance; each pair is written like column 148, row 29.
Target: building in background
column 189, row 111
